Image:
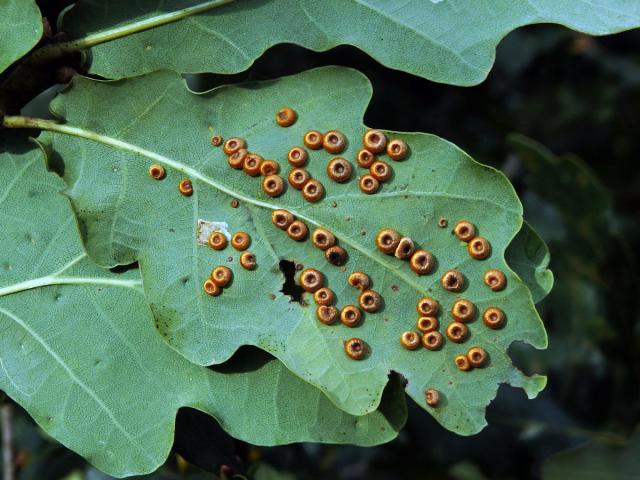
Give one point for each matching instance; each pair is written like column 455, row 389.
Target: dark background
column 579, row 97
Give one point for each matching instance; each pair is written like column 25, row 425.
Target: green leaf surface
column 20, row 29
column 451, row 41
column 79, row 351
column 529, row 257
column 115, row 131
column 596, row 461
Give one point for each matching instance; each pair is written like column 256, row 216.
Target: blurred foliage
column 571, row 93
column 596, row 461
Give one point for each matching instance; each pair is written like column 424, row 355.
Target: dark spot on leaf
column 229, row 259
column 290, row 287
column 184, row 280
column 395, row 288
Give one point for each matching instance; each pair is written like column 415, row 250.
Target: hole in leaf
column 290, row 287
column 202, row 442
column 124, row 268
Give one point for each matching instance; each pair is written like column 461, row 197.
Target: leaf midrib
column 138, row 26
column 195, row 174
column 54, row 126
column 57, row 279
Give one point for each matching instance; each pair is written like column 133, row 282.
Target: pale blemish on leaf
column 204, row 228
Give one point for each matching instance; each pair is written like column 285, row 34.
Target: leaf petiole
column 128, row 29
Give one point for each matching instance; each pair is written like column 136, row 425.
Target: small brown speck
column 334, row 204
column 272, row 296
column 234, row 203
column 299, row 266
column 363, row 232
column 442, row 223
column 394, row 288
column 229, row 259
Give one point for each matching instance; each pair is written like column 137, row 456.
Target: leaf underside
column 20, row 29
column 115, row 131
column 79, row 351
column 452, row 41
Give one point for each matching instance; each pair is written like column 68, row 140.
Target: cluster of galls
column 340, row 169
column 300, row 179
column 375, row 143
column 332, row 141
column 221, row 276
column 462, row 312
column 477, row 246
column 239, row 158
column 391, row 242
column 370, row 301
column 388, row 241
column 322, row 238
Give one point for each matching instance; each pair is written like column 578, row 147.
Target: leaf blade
column 418, row 37
column 20, row 30
column 157, row 227
column 79, row 352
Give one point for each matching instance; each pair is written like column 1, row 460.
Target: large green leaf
column 20, row 29
column 114, row 131
column 79, row 351
column 450, row 41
